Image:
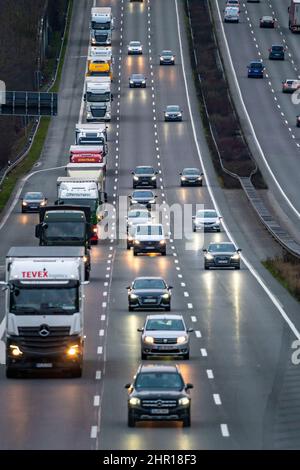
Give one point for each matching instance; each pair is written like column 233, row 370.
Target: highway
column 272, row 113
column 245, row 387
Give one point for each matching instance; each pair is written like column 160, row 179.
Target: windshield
column 135, row 43
column 159, row 381
column 98, row 97
column 149, row 230
column 277, row 48
column 191, row 171
column 33, row 196
column 222, row 247
column 165, row 324
column 142, row 170
column 149, row 284
column 167, row 53
column 143, row 194
column 101, row 26
column 139, row 214
column 173, row 108
column 256, row 65
column 65, row 230
column 207, row 214
column 137, row 76
column 92, row 203
column 45, row 300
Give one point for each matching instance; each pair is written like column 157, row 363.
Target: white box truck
column 102, row 24
column 91, row 134
column 44, row 309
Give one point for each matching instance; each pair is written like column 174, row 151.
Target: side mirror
column 127, row 386
column 189, row 386
column 180, row 173
column 239, row 250
column 156, row 172
column 84, row 97
column 201, row 174
column 190, row 330
column 128, row 287
column 204, row 250
column 132, row 172
column 171, row 287
column 140, row 330
column 193, row 217
column 56, row 203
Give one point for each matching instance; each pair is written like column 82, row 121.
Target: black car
column 267, row 22
column 149, row 293
column 137, row 80
column 222, row 255
column 276, row 52
column 173, row 113
column 144, row 176
column 33, row 201
column 167, row 58
column 142, row 198
column 191, row 177
column 159, row 393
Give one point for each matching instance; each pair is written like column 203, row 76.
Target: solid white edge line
column 247, row 263
column 237, row 87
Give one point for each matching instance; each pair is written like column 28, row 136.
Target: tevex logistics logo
column 2, row 92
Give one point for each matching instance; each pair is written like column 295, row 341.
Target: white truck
column 102, row 24
column 294, row 16
column 44, row 309
column 91, row 134
column 98, row 99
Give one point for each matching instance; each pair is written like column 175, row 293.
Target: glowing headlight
column 181, row 339
column 236, row 256
column 95, row 229
column 172, row 58
column 134, row 401
column 161, row 58
column 89, row 115
column 149, row 340
column 179, row 114
column 73, row 350
column 153, row 178
column 24, row 203
column 209, row 256
column 162, row 242
column 136, row 242
column 15, row 350
column 129, row 238
column 165, row 296
column 134, row 201
column 136, row 178
column 143, row 82
column 133, row 296
column 183, row 178
column 184, row 401
column 131, row 82
column 42, row 203
column 85, row 259
column 152, row 201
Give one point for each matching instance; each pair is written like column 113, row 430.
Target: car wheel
column 130, row 309
column 144, row 356
column 135, row 253
column 186, row 356
column 155, row 186
column 194, row 229
column 181, row 183
column 168, row 309
column 187, row 421
column 200, row 184
column 128, row 246
column 164, row 253
column 86, row 274
column 131, row 420
column 76, row 373
column 237, row 267
column 11, row 373
column 206, row 267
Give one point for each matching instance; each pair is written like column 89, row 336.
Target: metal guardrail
column 20, row 157
column 265, row 216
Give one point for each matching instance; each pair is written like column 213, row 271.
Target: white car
column 135, row 47
column 136, row 217
column 231, row 15
column 207, row 220
column 149, row 238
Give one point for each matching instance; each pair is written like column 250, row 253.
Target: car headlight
column 153, row 178
column 134, row 201
column 131, row 82
column 152, row 201
column 89, row 115
column 42, row 203
column 161, row 58
column 181, row 339
column 129, row 238
column 184, row 401
column 209, row 256
column 199, row 177
column 236, row 256
column 162, row 242
column 183, row 178
column 73, row 350
column 133, row 296
column 95, row 230
column 134, row 401
column 136, row 242
column 149, row 340
column 24, row 203
column 15, row 350
column 143, row 82
column 93, row 40
column 85, row 259
column 172, row 58
column 136, row 178
column 165, row 296
column 179, row 114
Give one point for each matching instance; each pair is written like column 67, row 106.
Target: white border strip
column 247, row 263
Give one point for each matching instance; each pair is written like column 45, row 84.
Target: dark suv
column 159, row 393
column 276, row 52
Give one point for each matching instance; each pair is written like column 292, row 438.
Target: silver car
column 165, row 335
column 173, row 113
column 191, row 176
column 135, row 47
column 207, row 220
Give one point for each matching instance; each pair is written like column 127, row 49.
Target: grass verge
column 286, row 272
column 34, row 154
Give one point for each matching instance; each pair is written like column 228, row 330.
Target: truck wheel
column 10, row 373
column 187, row 421
column 77, row 372
column 164, row 253
column 135, row 253
column 206, row 267
column 128, row 246
column 144, row 356
column 131, row 420
column 87, row 274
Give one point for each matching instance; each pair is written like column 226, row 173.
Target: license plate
column 44, row 365
column 150, row 247
column 165, row 348
column 223, row 262
column 150, row 301
column 159, row 411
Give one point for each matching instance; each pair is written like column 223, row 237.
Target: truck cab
column 44, row 310
column 66, row 226
column 102, row 24
column 98, row 96
column 91, row 134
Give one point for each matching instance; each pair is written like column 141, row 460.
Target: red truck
column 86, row 154
column 294, row 16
